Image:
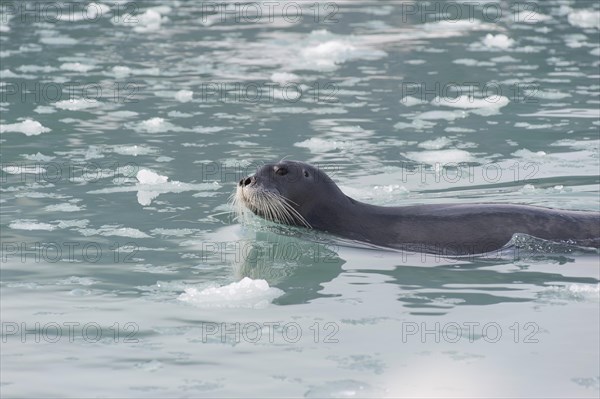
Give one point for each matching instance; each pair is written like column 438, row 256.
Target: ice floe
column 28, row 127
column 247, row 293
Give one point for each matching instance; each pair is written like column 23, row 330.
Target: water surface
column 125, row 130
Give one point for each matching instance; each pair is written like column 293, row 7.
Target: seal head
column 288, row 192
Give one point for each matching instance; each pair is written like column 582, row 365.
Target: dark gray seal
column 299, row 194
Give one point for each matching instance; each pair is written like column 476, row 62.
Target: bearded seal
column 298, row 194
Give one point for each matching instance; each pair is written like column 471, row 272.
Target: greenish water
column 126, row 125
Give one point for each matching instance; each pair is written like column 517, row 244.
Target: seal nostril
column 246, row 182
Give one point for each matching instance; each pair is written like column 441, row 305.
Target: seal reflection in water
column 299, row 194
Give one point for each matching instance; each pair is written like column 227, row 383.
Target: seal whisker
column 281, row 212
column 290, row 215
column 278, row 211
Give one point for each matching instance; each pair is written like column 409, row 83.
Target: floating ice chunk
column 110, row 230
column 145, row 176
column 8, row 74
column 284, row 77
column 458, row 129
column 23, row 169
column 567, row 113
column 356, row 130
column 578, row 144
column 124, row 232
column 156, row 125
column 123, row 114
column 28, row 224
column 447, row 115
column 329, row 53
column 435, row 144
column 466, row 102
column 577, row 292
column 76, row 67
column 184, row 96
column 77, row 104
column 409, row 101
column 76, row 280
column 528, row 189
column 58, row 40
column 173, row 232
column 4, row 27
column 450, row 28
column 415, row 62
column 319, row 145
column 150, row 186
column 28, row 127
column 472, row 62
column 66, row 207
column 36, row 68
column 531, row 126
column 528, row 154
column 586, row 18
column 79, row 223
column 148, row 21
column 504, row 59
column 441, row 156
column 134, row 150
column 498, row 41
column 177, row 114
column 392, row 188
column 38, row 157
column 418, row 124
column 44, row 109
column 210, row 129
column 547, row 94
column 246, row 293
column 121, row 71
column 325, row 51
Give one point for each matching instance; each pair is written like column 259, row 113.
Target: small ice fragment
column 146, row 176
column 28, row 127
column 498, row 41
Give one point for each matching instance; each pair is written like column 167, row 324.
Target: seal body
column 296, row 193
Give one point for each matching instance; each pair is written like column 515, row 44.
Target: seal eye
column 305, row 174
column 281, row 171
